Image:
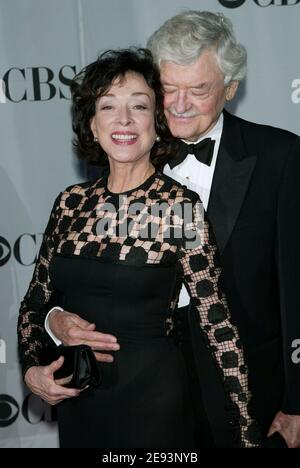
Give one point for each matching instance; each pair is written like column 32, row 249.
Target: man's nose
column 181, row 102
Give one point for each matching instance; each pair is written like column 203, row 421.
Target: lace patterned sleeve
column 33, row 309
column 201, row 271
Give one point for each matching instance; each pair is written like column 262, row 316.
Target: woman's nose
column 124, row 116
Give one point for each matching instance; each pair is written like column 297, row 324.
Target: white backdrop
column 42, row 44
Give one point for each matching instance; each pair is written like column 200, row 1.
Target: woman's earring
column 157, row 139
column 96, row 140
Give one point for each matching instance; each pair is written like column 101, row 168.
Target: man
column 250, row 193
column 246, row 176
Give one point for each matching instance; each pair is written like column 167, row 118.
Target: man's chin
column 183, row 130
column 182, row 134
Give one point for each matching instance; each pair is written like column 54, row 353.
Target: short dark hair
column 94, row 80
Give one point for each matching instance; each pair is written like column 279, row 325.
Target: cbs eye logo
column 5, row 251
column 33, row 409
column 24, row 250
column 260, row 3
column 232, row 3
column 9, row 410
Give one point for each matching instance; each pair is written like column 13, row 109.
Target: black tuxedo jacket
column 254, row 209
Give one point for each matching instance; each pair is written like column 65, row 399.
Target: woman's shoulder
column 83, row 185
column 72, row 195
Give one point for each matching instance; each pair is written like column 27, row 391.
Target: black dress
column 118, row 260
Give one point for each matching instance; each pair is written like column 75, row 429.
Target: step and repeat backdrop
column 42, row 45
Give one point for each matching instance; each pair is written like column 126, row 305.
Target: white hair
column 184, row 37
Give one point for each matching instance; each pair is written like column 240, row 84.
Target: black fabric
column 203, row 152
column 275, row 441
column 254, row 211
column 204, row 438
column 93, row 236
column 203, row 434
column 213, row 427
column 143, row 399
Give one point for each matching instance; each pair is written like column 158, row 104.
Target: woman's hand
column 40, row 380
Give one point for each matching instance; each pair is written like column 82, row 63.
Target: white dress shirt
column 197, row 177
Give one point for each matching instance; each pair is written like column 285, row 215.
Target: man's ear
column 231, row 89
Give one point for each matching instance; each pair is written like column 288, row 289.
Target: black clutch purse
column 80, row 368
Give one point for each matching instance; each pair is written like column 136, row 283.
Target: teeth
column 182, row 116
column 186, row 115
column 116, row 136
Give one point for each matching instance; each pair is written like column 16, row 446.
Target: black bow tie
column 203, row 151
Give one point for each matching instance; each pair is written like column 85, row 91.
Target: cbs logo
column 34, row 410
column 36, row 84
column 24, row 249
column 232, row 3
column 260, row 3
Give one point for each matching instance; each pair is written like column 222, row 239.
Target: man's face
column 194, row 95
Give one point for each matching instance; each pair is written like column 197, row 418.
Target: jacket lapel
column 232, row 175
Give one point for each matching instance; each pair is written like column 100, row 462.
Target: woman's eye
column 140, row 107
column 106, row 107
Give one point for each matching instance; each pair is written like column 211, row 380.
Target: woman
column 117, row 250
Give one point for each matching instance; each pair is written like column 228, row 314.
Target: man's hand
column 40, row 380
column 289, row 427
column 72, row 330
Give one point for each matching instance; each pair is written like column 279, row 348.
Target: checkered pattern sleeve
column 200, row 264
column 34, row 307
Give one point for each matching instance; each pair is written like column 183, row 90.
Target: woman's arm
column 31, row 331
column 201, row 272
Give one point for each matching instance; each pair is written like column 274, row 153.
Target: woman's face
column 124, row 119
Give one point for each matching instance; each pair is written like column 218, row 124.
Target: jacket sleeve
column 201, row 275
column 31, row 333
column 288, row 266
